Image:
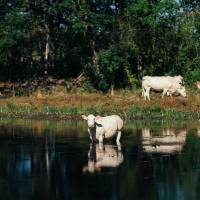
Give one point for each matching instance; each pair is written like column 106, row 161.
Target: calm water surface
column 55, row 160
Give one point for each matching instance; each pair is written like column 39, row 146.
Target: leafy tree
column 114, row 43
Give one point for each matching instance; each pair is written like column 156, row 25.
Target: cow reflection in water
column 167, row 142
column 100, row 156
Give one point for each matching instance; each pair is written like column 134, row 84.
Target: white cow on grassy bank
column 167, row 84
column 104, row 127
column 198, row 85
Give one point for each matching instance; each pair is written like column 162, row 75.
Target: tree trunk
column 47, row 48
column 94, row 53
column 139, row 67
column 112, row 90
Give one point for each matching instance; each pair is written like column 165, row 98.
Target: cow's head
column 91, row 120
column 198, row 84
column 179, row 79
column 182, row 91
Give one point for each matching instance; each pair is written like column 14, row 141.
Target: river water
column 55, row 160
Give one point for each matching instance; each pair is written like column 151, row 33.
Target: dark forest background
column 112, row 42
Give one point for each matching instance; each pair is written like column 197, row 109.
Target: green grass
column 127, row 104
column 129, row 113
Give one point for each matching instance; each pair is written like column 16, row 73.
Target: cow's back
column 158, row 83
column 110, row 124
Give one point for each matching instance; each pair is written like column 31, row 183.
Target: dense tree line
column 113, row 42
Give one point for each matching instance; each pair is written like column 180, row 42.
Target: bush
column 192, row 76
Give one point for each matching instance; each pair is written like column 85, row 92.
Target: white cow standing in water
column 167, row 84
column 104, row 127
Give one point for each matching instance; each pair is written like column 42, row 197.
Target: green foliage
column 114, row 42
column 109, row 69
column 192, row 76
column 131, row 78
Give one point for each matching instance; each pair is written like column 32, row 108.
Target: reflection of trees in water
column 192, row 148
column 23, row 165
column 41, row 168
column 38, row 127
column 163, row 174
column 33, row 157
column 45, row 168
column 100, row 156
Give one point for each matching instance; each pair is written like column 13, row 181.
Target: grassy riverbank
column 125, row 103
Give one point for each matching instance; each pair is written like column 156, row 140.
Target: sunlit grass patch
column 124, row 103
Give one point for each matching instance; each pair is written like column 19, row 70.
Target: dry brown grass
column 121, row 99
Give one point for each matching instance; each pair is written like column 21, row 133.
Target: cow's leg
column 147, row 93
column 144, row 93
column 170, row 94
column 101, row 142
column 119, row 147
column 100, row 139
column 145, row 96
column 164, row 92
column 90, row 134
column 119, row 133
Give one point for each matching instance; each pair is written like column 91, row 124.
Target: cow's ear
column 97, row 117
column 97, row 122
column 84, row 117
column 180, row 76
